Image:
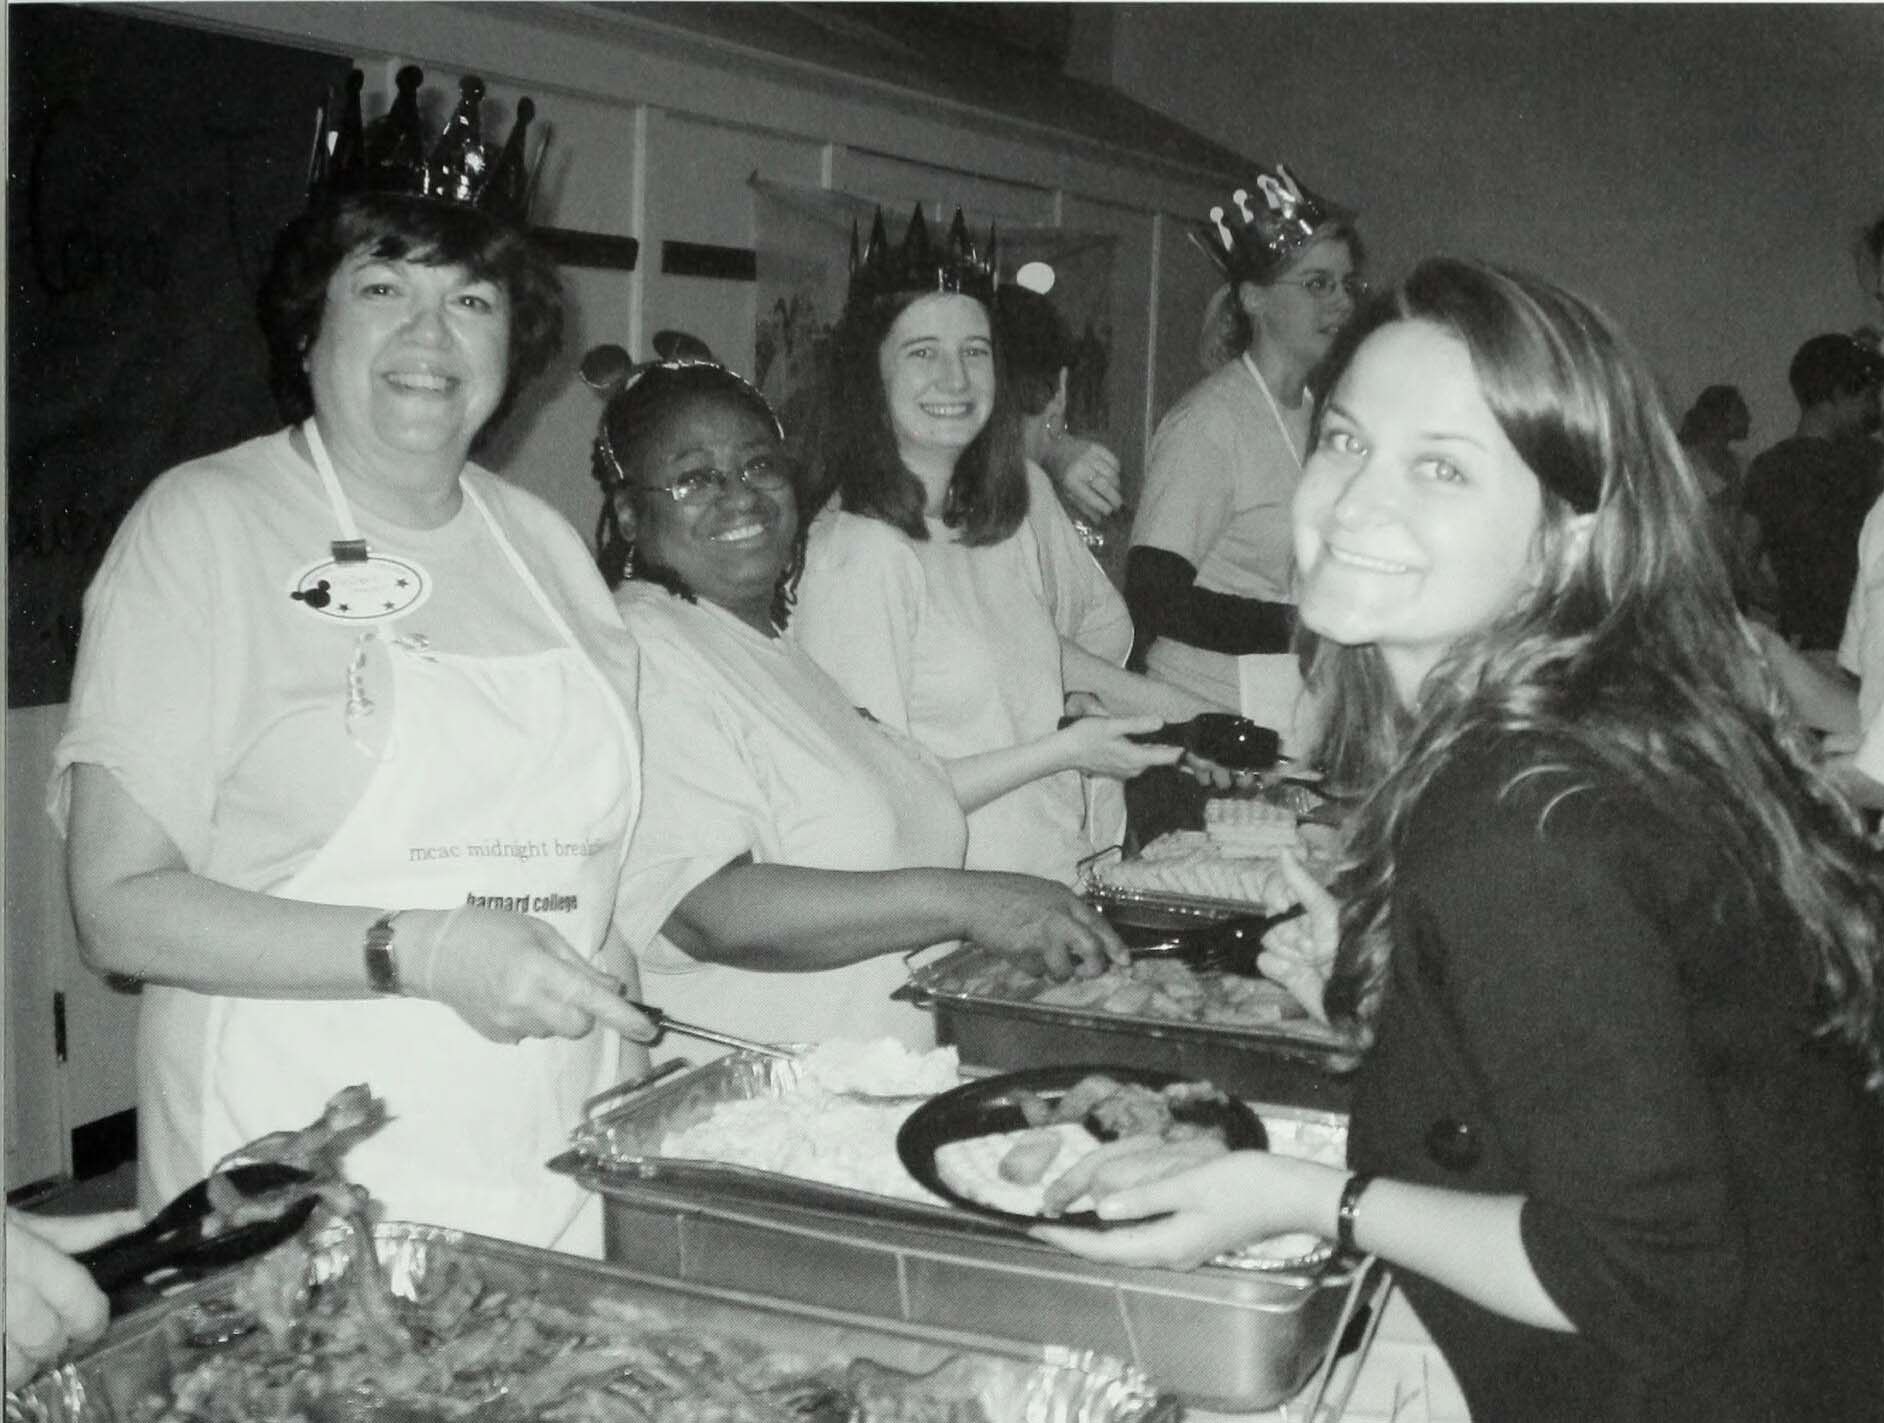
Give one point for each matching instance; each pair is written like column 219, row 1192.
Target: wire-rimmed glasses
column 696, row 487
column 1323, row 286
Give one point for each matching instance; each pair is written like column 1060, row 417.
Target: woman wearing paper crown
column 351, row 761
column 791, row 850
column 923, row 593
column 1208, row 575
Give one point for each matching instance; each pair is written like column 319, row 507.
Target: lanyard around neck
column 1288, row 437
column 350, row 547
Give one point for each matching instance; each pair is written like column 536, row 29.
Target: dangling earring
column 628, row 560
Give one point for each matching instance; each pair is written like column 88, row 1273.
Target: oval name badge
column 375, row 589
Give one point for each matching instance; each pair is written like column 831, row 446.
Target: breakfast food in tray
column 1232, row 859
column 449, row 1330
column 1162, row 989
column 879, row 1067
column 1241, row 826
column 1186, row 862
column 811, row 1131
column 1154, row 988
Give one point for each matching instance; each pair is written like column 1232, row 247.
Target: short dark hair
column 1035, row 345
column 393, row 226
column 1830, row 365
column 852, row 447
column 1712, row 414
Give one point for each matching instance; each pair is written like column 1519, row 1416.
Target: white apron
column 518, row 776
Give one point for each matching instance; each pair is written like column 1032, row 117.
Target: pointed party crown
column 919, row 265
column 1259, row 232
column 391, row 154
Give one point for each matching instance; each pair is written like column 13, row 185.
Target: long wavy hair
column 850, row 449
column 1629, row 656
column 629, row 419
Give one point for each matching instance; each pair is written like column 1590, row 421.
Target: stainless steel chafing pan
column 1235, row 1339
column 1295, row 1063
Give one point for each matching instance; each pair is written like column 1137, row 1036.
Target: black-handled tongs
column 1234, row 742
column 1228, row 946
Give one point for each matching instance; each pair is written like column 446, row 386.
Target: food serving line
column 1235, row 1338
column 1241, row 1336
column 905, row 1276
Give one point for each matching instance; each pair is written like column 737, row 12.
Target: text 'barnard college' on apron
column 503, row 782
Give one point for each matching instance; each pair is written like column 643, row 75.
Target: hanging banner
column 804, row 271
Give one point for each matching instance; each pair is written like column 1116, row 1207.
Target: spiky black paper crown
column 920, row 265
column 391, row 154
column 1260, row 231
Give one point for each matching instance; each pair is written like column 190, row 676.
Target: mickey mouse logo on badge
column 375, row 589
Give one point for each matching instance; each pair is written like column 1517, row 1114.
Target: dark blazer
column 1584, row 1009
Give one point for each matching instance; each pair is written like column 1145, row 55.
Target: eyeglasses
column 1323, row 287
column 702, row 486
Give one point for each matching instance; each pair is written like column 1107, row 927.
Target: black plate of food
column 991, row 1146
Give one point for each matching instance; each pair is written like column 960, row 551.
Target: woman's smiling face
column 1417, row 524
column 411, row 358
column 937, row 365
column 731, row 548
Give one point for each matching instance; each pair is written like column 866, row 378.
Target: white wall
column 655, row 136
column 1700, row 170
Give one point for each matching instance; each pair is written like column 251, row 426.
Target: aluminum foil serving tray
column 1235, row 1340
column 1013, row 1384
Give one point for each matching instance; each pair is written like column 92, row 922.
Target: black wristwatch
column 382, row 972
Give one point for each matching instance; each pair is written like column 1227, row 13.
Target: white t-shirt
column 957, row 646
column 219, row 703
column 1219, row 483
column 751, row 749
column 1084, row 604
column 1090, row 612
column 1861, row 649
column 1218, row 489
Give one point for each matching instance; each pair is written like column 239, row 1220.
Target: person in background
column 1717, row 420
column 792, row 850
column 1608, row 950
column 1810, row 493
column 924, row 594
column 1870, row 261
column 351, row 760
column 1208, row 576
column 52, row 1303
column 1039, row 353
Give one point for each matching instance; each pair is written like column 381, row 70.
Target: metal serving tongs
column 666, row 1022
